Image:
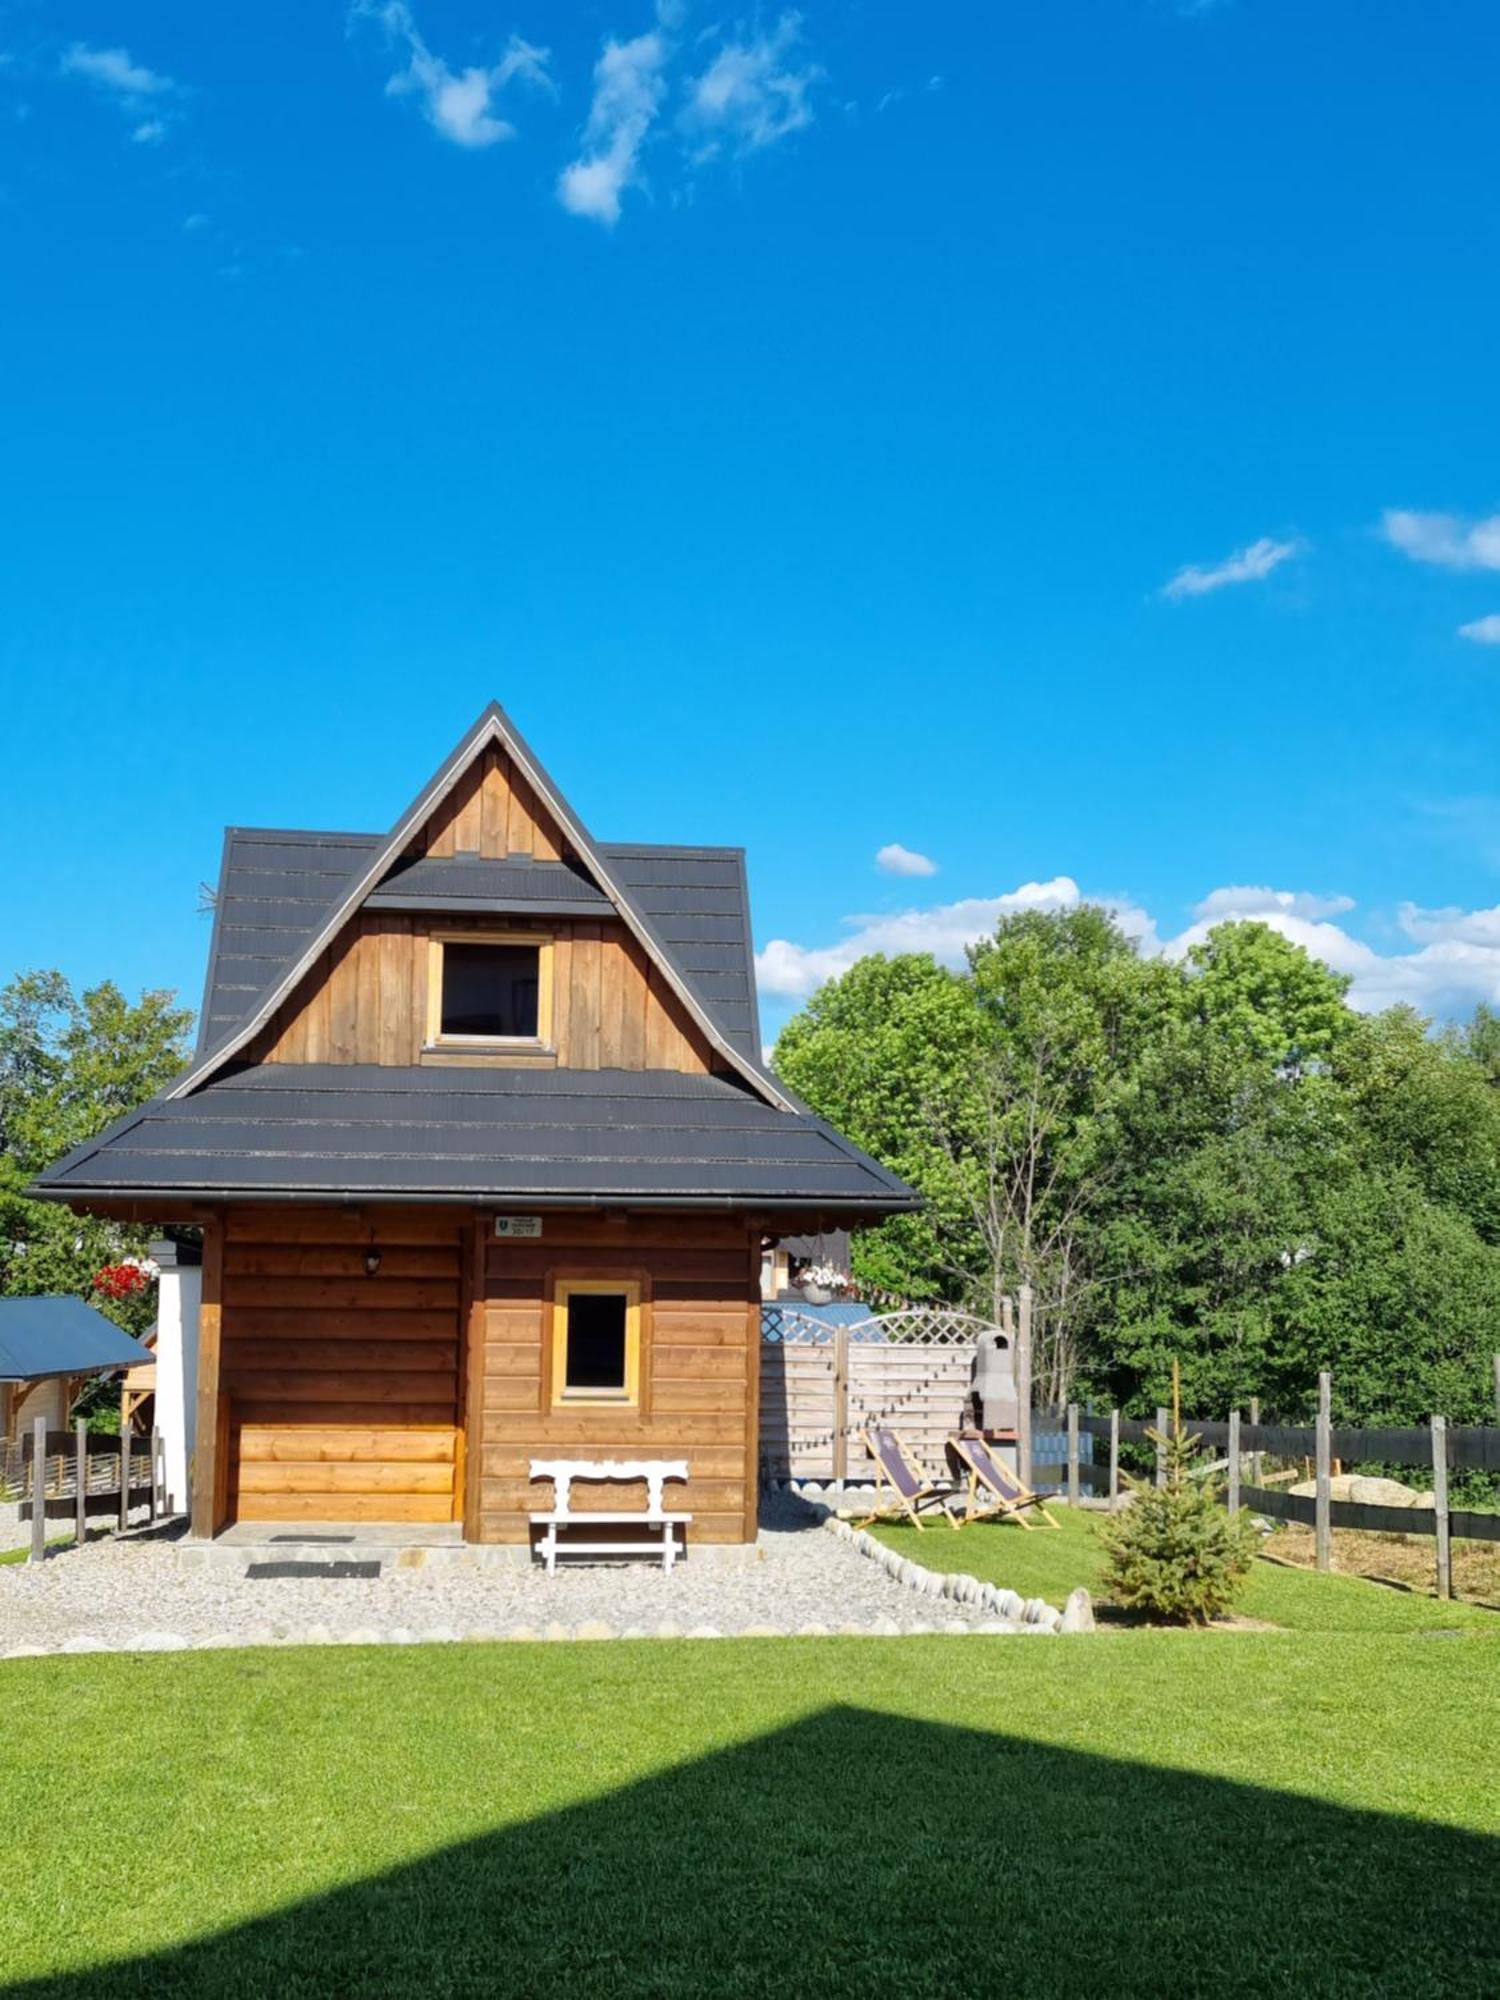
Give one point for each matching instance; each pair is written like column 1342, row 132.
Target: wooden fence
column 1440, row 1448
column 821, row 1384
column 58, row 1473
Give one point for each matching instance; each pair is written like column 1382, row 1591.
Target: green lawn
column 1257, row 1813
column 1049, row 1564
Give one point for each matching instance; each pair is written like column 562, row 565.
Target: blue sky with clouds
column 966, row 455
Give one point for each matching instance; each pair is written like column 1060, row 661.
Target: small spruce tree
column 1176, row 1552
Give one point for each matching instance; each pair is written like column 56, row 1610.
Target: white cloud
column 749, row 96
column 1247, row 565
column 149, row 132
column 1443, row 538
column 1247, row 902
column 895, row 859
column 1454, row 961
column 113, row 69
column 1483, row 631
column 795, row 969
column 629, row 84
column 462, row 105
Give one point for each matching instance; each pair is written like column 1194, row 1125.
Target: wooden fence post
column 1161, row 1446
column 81, row 1481
column 1322, row 1530
column 1256, row 1467
column 1114, row 1459
column 1072, row 1454
column 38, row 1490
column 124, row 1474
column 1440, row 1505
column 1234, row 1462
column 840, row 1404
column 1023, row 1386
column 155, row 1473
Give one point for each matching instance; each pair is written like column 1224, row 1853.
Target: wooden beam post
column 1322, row 1528
column 1023, row 1385
column 1072, row 1454
column 1162, row 1420
column 81, row 1482
column 1234, row 1462
column 1440, row 1506
column 156, row 1504
column 38, row 1490
column 1256, row 1468
column 1114, row 1460
column 840, row 1404
column 125, row 1443
column 206, row 1469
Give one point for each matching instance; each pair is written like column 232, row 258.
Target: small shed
column 47, row 1346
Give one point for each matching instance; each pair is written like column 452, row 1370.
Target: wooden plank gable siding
column 492, row 811
column 700, row 1355
column 365, row 1000
column 342, row 1388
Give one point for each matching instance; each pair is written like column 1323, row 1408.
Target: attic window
column 490, row 990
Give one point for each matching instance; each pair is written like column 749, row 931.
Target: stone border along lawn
column 1034, row 1612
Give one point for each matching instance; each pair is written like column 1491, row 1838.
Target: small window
column 596, row 1341
column 490, row 990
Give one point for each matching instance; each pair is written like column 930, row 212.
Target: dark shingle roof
column 278, row 887
column 467, row 886
column 336, row 1129
column 61, row 1336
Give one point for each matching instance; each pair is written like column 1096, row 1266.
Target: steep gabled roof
column 628, row 877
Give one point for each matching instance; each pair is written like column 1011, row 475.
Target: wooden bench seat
column 655, row 1471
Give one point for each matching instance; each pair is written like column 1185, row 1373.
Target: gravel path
column 132, row 1594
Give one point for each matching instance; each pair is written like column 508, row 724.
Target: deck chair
column 1007, row 1498
column 911, row 1489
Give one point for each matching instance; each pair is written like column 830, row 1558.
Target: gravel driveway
column 132, row 1595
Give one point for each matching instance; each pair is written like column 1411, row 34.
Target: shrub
column 1175, row 1552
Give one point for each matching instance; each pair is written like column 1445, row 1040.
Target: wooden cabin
column 485, row 1160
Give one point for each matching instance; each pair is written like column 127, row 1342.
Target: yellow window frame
column 543, row 946
column 625, row 1398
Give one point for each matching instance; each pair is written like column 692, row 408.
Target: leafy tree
column 69, row 1066
column 1266, row 996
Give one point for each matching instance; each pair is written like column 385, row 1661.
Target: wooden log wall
column 700, row 1350
column 342, row 1388
column 365, row 1000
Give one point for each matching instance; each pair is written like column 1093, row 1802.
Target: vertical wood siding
column 492, row 811
column 365, row 1000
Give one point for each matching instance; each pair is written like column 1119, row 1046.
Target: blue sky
column 1056, row 440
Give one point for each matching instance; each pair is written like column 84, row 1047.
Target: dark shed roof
column 548, row 1136
column 61, row 1336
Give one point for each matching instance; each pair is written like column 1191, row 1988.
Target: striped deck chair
column 911, row 1489
column 1008, row 1498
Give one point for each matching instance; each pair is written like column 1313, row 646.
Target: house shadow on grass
column 862, row 1854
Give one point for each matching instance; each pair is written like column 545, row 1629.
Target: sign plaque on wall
column 518, row 1225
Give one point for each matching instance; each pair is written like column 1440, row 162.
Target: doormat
column 264, row 1572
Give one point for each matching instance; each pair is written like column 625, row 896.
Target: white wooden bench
column 655, row 1471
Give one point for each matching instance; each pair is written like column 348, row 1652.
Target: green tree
column 69, row 1066
column 1267, row 996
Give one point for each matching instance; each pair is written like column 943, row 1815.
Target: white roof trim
column 494, row 726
